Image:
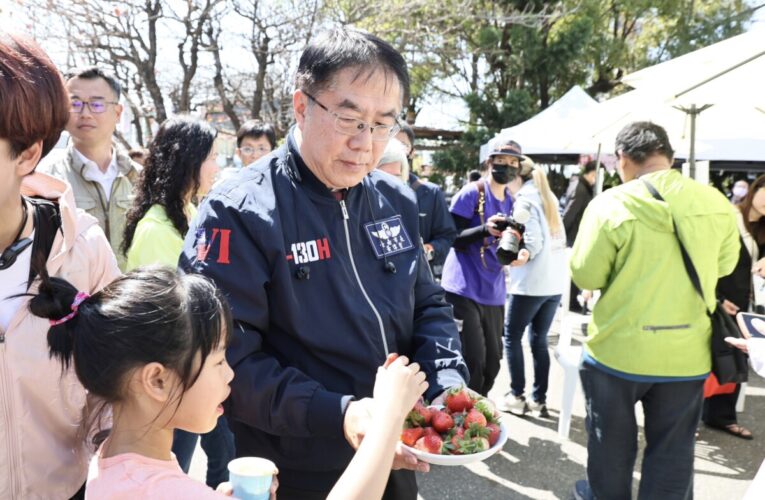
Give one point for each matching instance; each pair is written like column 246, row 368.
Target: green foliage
column 463, row 156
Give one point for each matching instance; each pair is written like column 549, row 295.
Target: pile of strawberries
column 466, row 424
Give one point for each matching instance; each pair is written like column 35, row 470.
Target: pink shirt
column 130, row 476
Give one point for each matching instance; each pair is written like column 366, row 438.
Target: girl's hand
column 523, row 257
column 399, row 385
column 228, row 490
column 729, row 307
column 759, row 267
column 737, row 343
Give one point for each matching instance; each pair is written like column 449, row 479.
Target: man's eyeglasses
column 96, row 106
column 251, row 151
column 353, row 126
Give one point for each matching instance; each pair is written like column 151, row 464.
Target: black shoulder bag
column 728, row 363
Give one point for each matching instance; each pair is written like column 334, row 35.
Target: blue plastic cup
column 251, row 477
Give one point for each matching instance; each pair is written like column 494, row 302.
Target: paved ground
column 537, row 464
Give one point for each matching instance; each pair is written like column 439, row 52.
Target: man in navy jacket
column 321, row 264
column 437, row 227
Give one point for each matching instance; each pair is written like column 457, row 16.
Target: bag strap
column 689, row 267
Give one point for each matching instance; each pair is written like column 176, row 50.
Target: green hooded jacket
column 649, row 320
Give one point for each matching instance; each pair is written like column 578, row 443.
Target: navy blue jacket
column 303, row 345
column 436, row 223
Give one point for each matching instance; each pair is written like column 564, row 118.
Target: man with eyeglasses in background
column 318, row 255
column 99, row 170
column 254, row 140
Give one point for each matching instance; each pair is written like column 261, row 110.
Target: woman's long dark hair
column 149, row 315
column 171, row 172
column 755, row 228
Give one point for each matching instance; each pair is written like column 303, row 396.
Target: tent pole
column 599, row 173
column 692, row 153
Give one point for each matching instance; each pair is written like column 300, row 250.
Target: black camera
column 512, row 228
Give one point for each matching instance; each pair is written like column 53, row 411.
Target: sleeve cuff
column 327, row 411
column 445, row 379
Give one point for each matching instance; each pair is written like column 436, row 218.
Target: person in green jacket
column 649, row 340
column 181, row 166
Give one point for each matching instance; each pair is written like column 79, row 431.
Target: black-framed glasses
column 250, row 151
column 96, row 106
column 353, row 126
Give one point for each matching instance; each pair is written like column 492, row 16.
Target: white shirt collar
column 93, row 173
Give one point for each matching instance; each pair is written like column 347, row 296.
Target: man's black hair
column 641, row 140
column 93, row 72
column 590, row 166
column 256, row 129
column 344, row 48
column 474, row 175
column 405, row 128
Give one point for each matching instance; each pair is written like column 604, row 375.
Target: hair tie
column 78, row 299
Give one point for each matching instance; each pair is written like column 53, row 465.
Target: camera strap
column 480, row 210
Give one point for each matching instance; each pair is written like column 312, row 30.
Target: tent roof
column 546, row 133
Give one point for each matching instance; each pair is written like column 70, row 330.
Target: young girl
column 152, row 345
column 180, row 166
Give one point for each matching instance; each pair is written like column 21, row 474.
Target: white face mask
column 740, row 191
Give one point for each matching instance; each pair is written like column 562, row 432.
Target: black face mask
column 503, row 174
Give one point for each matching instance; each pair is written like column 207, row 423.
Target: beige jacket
column 41, row 407
column 90, row 196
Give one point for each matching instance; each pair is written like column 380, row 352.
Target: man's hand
column 523, row 257
column 358, row 417
column 405, row 459
column 729, row 307
column 491, row 225
column 759, row 267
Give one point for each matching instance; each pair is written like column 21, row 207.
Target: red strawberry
column 493, row 433
column 480, row 444
column 410, row 436
column 419, row 416
column 442, row 422
column 474, row 417
column 458, row 400
column 429, row 444
column 456, row 441
column 430, row 431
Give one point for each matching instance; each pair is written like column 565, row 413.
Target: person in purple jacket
column 473, row 278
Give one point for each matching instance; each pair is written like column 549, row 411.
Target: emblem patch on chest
column 388, row 237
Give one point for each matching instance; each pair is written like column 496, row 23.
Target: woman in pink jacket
column 42, row 455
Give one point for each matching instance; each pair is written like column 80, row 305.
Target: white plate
column 434, row 459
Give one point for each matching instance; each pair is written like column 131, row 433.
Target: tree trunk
column 220, row 87
column 261, row 56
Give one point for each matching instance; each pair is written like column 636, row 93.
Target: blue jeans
column 218, row 445
column 671, row 410
column 522, row 311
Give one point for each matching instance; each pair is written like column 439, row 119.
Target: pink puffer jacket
column 41, row 406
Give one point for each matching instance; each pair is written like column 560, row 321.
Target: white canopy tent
column 732, row 132
column 719, row 87
column 549, row 132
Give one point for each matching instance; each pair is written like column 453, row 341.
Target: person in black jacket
column 736, row 294
column 437, row 227
column 576, row 202
column 320, row 261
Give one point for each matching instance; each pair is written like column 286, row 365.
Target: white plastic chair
column 569, row 358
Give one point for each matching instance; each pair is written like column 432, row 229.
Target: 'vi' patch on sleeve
column 388, row 237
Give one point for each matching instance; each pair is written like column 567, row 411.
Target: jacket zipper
column 358, row 279
column 11, row 448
